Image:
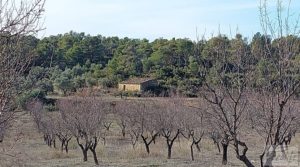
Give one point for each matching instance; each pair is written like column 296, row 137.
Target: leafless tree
column 139, row 119
column 276, row 116
column 225, row 89
column 121, row 114
column 150, row 129
column 84, row 118
column 50, row 124
column 107, row 122
column 265, row 118
column 62, row 132
column 216, row 138
column 49, row 131
column 170, row 121
column 18, row 19
column 35, row 107
column 194, row 127
column 44, row 122
column 132, row 120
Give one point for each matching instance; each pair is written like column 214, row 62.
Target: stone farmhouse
column 137, row 84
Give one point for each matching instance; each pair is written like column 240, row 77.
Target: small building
column 137, row 84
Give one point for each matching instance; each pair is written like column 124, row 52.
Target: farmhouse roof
column 136, row 80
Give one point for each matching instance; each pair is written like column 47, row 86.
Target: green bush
column 50, row 108
column 107, row 82
column 90, row 82
column 129, row 94
column 27, row 96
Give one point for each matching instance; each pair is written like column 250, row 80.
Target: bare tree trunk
column 62, row 145
column 242, row 157
column 261, row 158
column 192, row 151
column 170, row 151
column 54, row 143
column 225, row 147
column 84, row 152
column 170, row 145
column 218, row 146
column 93, row 149
column 198, row 147
column 147, row 148
column 45, row 138
column 123, row 131
column 197, row 142
column 95, row 156
column 246, row 161
column 147, row 144
column 270, row 157
column 170, row 142
column 66, row 146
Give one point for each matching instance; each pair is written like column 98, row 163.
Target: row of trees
column 88, row 119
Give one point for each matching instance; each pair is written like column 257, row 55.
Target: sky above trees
column 155, row 18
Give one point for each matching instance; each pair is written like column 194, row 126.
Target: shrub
column 50, row 108
column 27, row 96
column 107, row 82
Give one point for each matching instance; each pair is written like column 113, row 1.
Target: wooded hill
column 75, row 60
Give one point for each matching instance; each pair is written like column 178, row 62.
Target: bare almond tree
column 62, row 132
column 216, row 138
column 45, row 123
column 107, row 122
column 194, row 127
column 35, row 107
column 265, row 118
column 84, row 118
column 49, row 131
column 121, row 113
column 18, row 19
column 170, row 121
column 276, row 117
column 150, row 129
column 132, row 119
column 225, row 88
column 50, row 124
column 139, row 119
